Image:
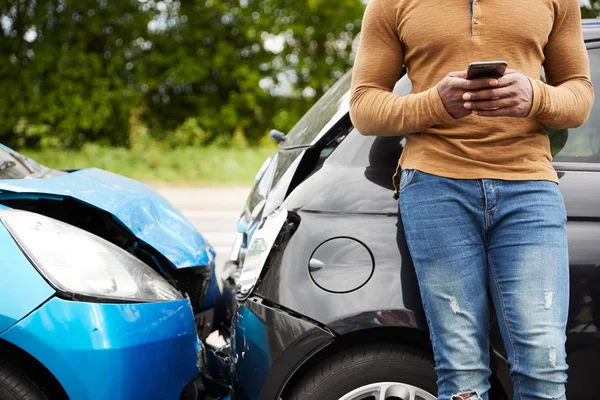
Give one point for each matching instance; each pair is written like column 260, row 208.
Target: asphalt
column 213, row 211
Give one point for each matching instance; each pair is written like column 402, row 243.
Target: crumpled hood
column 148, row 216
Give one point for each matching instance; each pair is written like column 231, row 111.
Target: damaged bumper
column 268, row 346
column 114, row 351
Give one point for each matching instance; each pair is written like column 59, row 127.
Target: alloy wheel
column 388, row 391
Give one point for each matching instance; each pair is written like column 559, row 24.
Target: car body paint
column 262, row 336
column 113, row 351
column 101, row 350
column 20, row 280
column 140, row 209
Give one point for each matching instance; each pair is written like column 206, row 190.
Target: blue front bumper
column 113, row 351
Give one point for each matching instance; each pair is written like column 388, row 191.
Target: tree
column 66, row 70
column 590, row 8
column 204, row 64
column 225, row 63
column 191, row 71
column 94, row 70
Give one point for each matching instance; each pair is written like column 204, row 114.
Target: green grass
column 207, row 166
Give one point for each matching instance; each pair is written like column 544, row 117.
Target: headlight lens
column 77, row 262
column 259, row 248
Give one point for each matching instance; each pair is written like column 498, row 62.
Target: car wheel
column 371, row 372
column 14, row 385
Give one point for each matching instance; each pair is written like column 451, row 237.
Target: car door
column 577, row 161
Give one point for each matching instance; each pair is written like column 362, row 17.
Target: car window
column 14, row 165
column 320, row 118
column 581, row 144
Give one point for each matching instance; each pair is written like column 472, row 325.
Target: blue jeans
column 475, row 239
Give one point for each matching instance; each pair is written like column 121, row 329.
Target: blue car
column 107, row 291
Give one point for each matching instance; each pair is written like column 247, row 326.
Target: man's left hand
column 513, row 97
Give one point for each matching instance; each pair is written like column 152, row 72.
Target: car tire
column 14, row 385
column 367, row 366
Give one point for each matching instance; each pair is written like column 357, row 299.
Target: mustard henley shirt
column 432, row 38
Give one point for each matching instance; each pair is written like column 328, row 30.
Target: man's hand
column 512, row 98
column 453, row 87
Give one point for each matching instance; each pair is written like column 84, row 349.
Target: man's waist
column 500, row 158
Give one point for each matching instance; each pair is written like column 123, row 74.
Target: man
column 479, row 199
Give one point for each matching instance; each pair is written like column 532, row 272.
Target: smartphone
column 486, row 69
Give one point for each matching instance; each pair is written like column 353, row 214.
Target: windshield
column 16, row 166
column 319, row 119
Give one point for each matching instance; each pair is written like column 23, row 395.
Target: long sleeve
column 567, row 98
column 374, row 109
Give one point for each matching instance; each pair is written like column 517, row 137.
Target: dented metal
column 140, row 209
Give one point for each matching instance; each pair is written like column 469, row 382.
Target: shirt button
column 476, row 20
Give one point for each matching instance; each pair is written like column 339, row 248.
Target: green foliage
column 590, row 9
column 63, row 67
column 183, row 73
column 130, row 72
column 156, row 163
column 239, row 140
column 188, row 134
column 40, row 133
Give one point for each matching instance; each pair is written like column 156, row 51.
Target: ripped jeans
column 475, row 239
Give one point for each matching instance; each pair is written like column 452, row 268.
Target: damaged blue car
column 107, row 291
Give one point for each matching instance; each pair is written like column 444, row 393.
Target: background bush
column 178, row 72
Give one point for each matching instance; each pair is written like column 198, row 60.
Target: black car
column 327, row 305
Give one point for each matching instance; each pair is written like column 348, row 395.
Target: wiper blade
column 25, row 162
column 6, row 165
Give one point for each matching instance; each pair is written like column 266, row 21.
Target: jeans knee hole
column 552, row 356
column 467, row 395
column 548, row 299
column 454, row 305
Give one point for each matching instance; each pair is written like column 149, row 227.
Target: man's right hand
column 452, row 88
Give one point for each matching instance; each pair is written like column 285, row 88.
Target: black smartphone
column 486, row 69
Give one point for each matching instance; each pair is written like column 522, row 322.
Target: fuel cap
column 341, row 265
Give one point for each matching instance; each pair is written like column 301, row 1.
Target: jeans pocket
column 407, row 178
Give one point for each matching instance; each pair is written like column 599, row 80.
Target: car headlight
column 80, row 264
column 259, row 248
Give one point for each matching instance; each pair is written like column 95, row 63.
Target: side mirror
column 277, row 136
